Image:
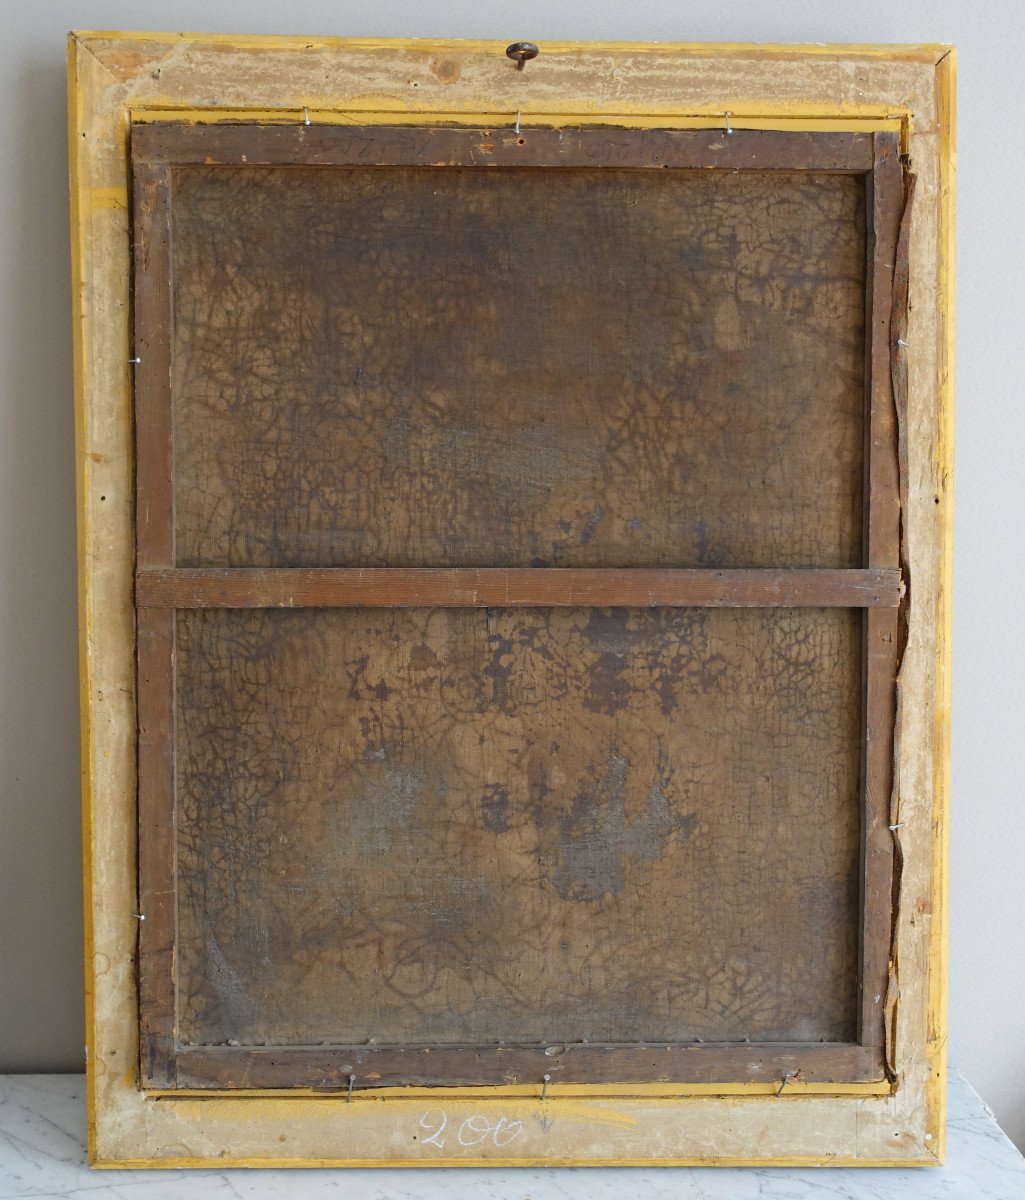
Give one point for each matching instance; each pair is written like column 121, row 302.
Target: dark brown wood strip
column 155, row 630
column 387, row 587
column 898, row 355
column 156, row 915
column 877, row 843
column 882, row 534
column 899, row 379
column 882, row 493
column 460, row 1066
column 152, row 363
column 606, row 147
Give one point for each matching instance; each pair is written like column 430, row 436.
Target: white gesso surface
column 40, row 906
column 42, row 1155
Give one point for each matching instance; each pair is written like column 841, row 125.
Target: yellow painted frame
column 117, row 79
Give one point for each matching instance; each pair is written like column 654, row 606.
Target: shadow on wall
column 40, row 842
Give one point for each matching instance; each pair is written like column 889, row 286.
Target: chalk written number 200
column 474, row 1131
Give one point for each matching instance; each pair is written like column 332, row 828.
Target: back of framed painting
column 521, row 536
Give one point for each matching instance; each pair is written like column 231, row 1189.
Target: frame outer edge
column 936, row 1039
column 102, row 92
column 915, row 52
column 79, row 242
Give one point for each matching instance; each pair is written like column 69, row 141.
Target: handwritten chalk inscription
column 474, row 1131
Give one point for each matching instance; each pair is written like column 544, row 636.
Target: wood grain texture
column 883, row 506
column 369, row 587
column 155, row 629
column 880, row 669
column 227, row 144
column 151, row 361
column 328, row 1068
column 155, row 908
column 882, row 492
column 438, row 826
column 460, row 367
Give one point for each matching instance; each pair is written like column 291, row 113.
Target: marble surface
column 42, row 1132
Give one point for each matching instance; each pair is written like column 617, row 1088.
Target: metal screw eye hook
column 352, row 1080
column 546, row 1080
column 729, row 127
column 522, row 53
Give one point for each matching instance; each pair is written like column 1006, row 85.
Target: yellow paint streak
column 79, row 240
column 839, row 1160
column 639, row 1091
column 108, row 197
column 936, row 1033
column 795, row 118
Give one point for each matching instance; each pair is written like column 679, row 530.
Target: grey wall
column 40, row 906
